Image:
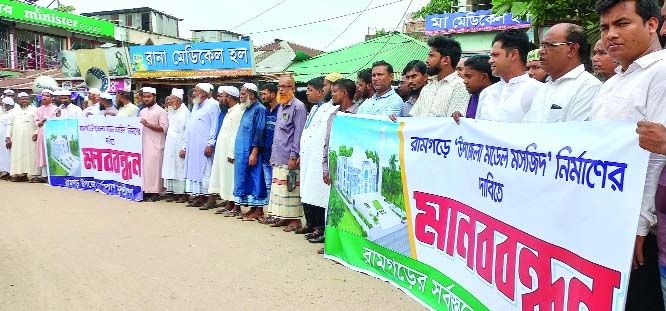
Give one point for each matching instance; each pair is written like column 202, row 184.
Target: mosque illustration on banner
column 359, row 182
column 63, row 152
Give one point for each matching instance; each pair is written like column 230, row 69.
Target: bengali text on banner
column 97, row 153
column 486, row 215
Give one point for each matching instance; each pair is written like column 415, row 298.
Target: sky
column 227, row 15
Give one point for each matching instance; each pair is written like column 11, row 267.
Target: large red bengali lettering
column 449, row 225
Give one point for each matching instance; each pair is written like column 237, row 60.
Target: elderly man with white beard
column 249, row 184
column 173, row 165
column 222, row 178
column 20, row 138
column 200, row 138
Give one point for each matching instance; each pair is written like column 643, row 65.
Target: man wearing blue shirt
column 386, row 101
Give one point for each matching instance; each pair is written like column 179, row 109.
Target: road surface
column 63, row 249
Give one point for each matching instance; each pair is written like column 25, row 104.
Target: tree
column 393, row 162
column 65, row 8
column 543, row 11
column 436, row 7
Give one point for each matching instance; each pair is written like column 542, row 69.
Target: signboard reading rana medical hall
column 219, row 59
column 19, row 11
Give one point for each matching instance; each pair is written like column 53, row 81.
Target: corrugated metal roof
column 396, row 49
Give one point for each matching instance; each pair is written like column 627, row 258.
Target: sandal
column 315, row 234
column 232, row 214
column 305, row 230
column 222, row 211
column 291, row 228
column 279, row 223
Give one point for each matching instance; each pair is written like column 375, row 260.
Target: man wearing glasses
column 569, row 90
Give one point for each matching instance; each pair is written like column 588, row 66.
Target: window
column 5, row 48
column 52, row 48
column 27, row 43
column 128, row 20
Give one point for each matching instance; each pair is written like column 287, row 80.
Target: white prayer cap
column 23, row 94
column 177, row 92
column 62, row 93
column 8, row 101
column 8, row 91
column 47, row 91
column 106, row 96
column 206, row 87
column 250, row 86
column 232, row 90
column 146, row 89
column 222, row 89
column 95, row 91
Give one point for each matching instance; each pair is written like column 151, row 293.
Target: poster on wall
column 96, row 66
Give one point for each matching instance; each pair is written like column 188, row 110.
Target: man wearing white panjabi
column 66, row 109
column 5, row 154
column 173, row 166
column 94, row 98
column 222, row 174
column 20, row 138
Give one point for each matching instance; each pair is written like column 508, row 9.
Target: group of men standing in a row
column 23, row 157
column 259, row 155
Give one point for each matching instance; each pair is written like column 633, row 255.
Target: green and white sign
column 38, row 15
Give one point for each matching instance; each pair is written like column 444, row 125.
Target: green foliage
column 436, row 7
column 372, row 155
column 541, row 11
column 340, row 217
column 65, row 8
column 392, row 183
column 383, row 32
column 360, row 215
column 55, row 169
column 345, row 151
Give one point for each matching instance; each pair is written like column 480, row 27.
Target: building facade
column 31, row 37
column 207, row 35
column 356, row 175
column 144, row 18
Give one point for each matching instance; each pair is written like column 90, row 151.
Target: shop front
column 32, row 37
column 184, row 65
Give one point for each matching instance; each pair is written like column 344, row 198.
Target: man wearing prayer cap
column 125, row 106
column 329, row 81
column 107, row 105
column 200, row 140
column 66, row 108
column 173, row 166
column 533, row 67
column 249, row 186
column 222, row 179
column 47, row 110
column 8, row 93
column 20, row 138
column 178, row 93
column 5, row 153
column 155, row 124
column 94, row 97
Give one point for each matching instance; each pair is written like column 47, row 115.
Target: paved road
column 64, row 249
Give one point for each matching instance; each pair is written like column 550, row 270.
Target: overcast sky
column 225, row 14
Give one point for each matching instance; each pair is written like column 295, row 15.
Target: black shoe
column 319, row 239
